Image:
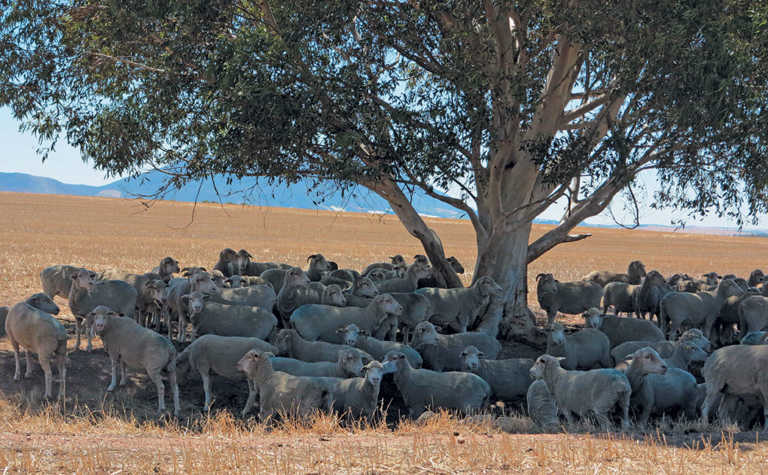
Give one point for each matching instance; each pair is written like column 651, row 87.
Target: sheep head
column 694, row 353
column 385, row 303
column 203, row 282
column 351, row 362
column 332, row 295
column 318, row 263
column 252, row 360
column 43, row 302
column 557, row 334
column 695, row 337
column 488, row 287
column 424, row 334
column 397, row 260
column 648, row 361
column 593, row 318
column 375, row 371
column 100, row 317
column 397, row 360
column 283, row 341
column 546, row 283
column 470, row 358
column 169, row 265
column 84, row 279
column 351, row 333
column 457, row 267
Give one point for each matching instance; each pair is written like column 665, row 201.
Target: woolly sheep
column 620, row 296
column 31, row 325
column 425, row 389
column 315, row 322
column 56, row 280
column 698, row 309
column 407, row 283
column 228, row 263
column 348, row 365
column 566, row 297
column 130, row 345
column 361, row 293
column 443, row 352
column 168, row 266
column 198, row 281
column 354, row 336
column 248, row 268
column 755, row 338
column 357, row 397
column 684, row 354
column 290, row 343
column 509, row 379
column 753, row 314
column 279, row 392
column 643, row 363
column 86, row 294
column 460, row 308
column 416, row 309
column 255, row 296
column 648, row 296
column 596, row 391
column 618, row 329
column 541, row 405
column 217, row 354
column 586, row 349
column 635, row 273
column 737, row 370
column 396, row 261
column 227, row 320
column 434, row 281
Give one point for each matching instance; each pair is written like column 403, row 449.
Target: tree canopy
column 498, row 108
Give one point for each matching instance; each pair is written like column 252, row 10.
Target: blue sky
column 65, row 165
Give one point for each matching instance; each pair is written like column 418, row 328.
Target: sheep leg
column 89, row 334
column 123, row 374
column 113, row 383
column 206, row 377
column 709, row 400
column 551, row 314
column 182, row 333
column 158, row 380
column 603, row 421
column 251, row 397
column 62, row 363
column 45, row 363
column 28, row 359
column 77, row 333
column 174, row 389
column 17, row 372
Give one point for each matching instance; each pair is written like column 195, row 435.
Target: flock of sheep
column 324, row 338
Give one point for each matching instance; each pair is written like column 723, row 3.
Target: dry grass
column 40, row 230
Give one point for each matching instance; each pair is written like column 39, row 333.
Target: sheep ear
column 539, row 276
column 481, row 355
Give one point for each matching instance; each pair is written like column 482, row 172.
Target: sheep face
column 421, row 271
column 756, row 277
column 43, row 302
column 636, row 271
column 365, row 287
column 649, row 361
column 190, row 271
column 84, row 279
column 396, row 360
column 694, row 353
column 351, row 362
column 350, row 334
column 729, row 288
column 488, row 287
column 332, row 295
column 375, row 371
column 203, row 282
column 593, row 318
column 318, row 262
column 542, row 364
column 377, row 275
column 284, row 341
column 557, row 334
column 711, row 278
column 387, row 304
column 457, row 267
column 251, row 361
column 424, row 334
column 154, row 292
column 420, row 259
column 195, row 302
column 695, row 337
column 100, row 317
column 243, row 259
column 546, row 284
column 397, row 260
column 227, row 255
column 470, row 358
column 169, row 266
column 295, row 276
column 235, row 282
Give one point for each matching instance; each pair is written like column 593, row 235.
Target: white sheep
column 509, row 379
column 31, row 325
column 582, row 393
column 133, row 346
column 620, row 329
column 198, row 281
column 57, row 280
column 442, row 352
column 290, row 343
column 541, row 405
column 585, row 349
column 227, row 320
column 349, row 365
column 354, row 336
column 460, row 308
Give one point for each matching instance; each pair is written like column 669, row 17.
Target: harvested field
column 98, row 433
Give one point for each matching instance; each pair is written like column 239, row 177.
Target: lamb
column 697, row 309
column 315, row 322
column 349, row 365
column 168, row 266
column 541, row 405
column 755, row 338
column 586, row 349
column 218, row 354
column 443, row 352
column 596, row 391
column 409, row 282
column 31, row 324
column 737, row 370
column 86, row 294
column 635, row 273
column 422, row 388
column 227, row 320
column 280, row 392
column 509, row 379
column 621, row 296
column 566, row 297
column 228, row 263
column 56, row 280
column 416, row 309
column 131, row 345
column 354, row 336
column 753, row 314
column 460, row 308
column 618, row 330
column 290, row 343
column 199, row 281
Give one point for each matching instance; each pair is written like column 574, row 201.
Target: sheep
column 409, row 282
column 228, row 263
column 422, row 388
column 149, row 302
column 217, row 354
column 753, row 314
column 296, row 294
column 541, row 405
column 647, row 297
column 756, row 277
column 358, row 397
column 361, row 293
column 666, row 349
column 566, row 297
column 416, row 309
column 737, row 370
column 586, row 349
column 755, row 338
column 396, row 262
column 317, row 265
column 130, row 345
column 349, row 365
column 620, row 295
column 31, row 324
column 509, row 379
column 168, row 266
column 595, row 391
column 684, row 354
column 290, row 343
column 227, row 320
column 56, row 280
column 219, row 279
column 199, row 281
column 248, row 268
column 315, row 322
column 443, row 352
column 433, row 281
column 235, row 281
column 460, row 308
column 635, row 273
column 354, row 336
column 279, row 392
column 700, row 309
column 618, row 329
column 255, row 296
column 86, row 293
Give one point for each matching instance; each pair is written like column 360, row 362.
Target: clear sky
column 65, row 165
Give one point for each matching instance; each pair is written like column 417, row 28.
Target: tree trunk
column 505, row 258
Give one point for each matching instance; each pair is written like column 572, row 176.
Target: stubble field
column 94, row 433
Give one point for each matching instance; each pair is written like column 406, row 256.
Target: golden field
column 93, row 433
